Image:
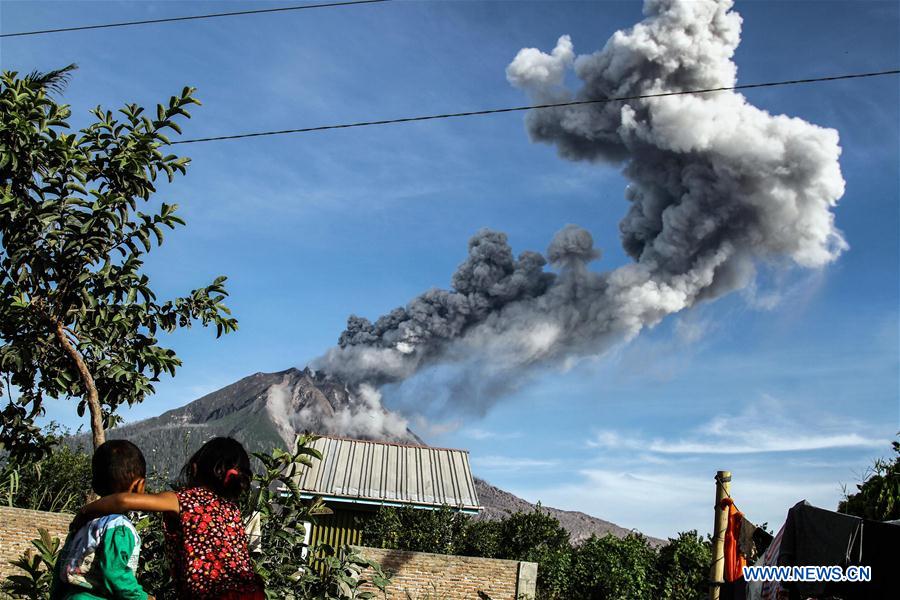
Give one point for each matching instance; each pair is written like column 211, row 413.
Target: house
column 356, row 477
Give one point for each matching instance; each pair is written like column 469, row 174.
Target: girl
column 205, row 539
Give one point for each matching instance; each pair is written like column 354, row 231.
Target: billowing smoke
column 716, row 186
column 294, row 407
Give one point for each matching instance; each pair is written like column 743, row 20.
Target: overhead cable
column 193, row 17
column 493, row 111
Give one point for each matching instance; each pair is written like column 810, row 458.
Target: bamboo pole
column 717, row 569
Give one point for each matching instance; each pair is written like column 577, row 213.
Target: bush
column 57, row 482
column 480, row 538
column 528, row 536
column 611, row 568
column 683, row 567
column 878, row 497
column 35, row 583
column 441, row 531
column 538, row 537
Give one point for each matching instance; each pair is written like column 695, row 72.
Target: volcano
column 266, row 410
column 262, row 411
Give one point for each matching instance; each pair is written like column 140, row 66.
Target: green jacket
column 99, row 562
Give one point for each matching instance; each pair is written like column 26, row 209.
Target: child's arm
column 126, row 502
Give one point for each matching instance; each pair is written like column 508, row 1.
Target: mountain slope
column 262, row 411
column 266, row 410
column 499, row 503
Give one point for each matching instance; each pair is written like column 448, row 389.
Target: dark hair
column 115, row 466
column 221, row 465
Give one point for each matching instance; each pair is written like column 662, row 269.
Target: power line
column 494, row 111
column 193, row 17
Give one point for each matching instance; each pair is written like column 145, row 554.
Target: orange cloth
column 734, row 560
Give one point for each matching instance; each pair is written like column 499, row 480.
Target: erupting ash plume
column 717, row 185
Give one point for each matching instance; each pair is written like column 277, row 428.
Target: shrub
column 683, row 567
column 878, row 496
column 480, row 538
column 57, row 482
column 611, row 568
column 441, row 531
column 35, row 583
column 537, row 536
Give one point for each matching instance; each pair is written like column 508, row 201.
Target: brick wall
column 417, row 575
column 19, row 526
column 422, row 576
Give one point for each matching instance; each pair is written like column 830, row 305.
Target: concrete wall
column 19, row 526
column 423, row 576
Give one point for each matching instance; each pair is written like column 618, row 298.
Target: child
column 99, row 560
column 205, row 540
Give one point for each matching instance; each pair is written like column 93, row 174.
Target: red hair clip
column 231, row 473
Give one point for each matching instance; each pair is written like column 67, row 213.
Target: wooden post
column 717, row 569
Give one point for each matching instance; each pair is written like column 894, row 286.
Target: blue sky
column 793, row 387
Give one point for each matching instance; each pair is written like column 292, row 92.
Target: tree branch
column 92, row 398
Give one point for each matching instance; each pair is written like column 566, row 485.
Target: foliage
column 79, row 317
column 282, row 515
column 58, row 481
column 337, row 574
column 529, row 536
column 153, row 571
column 611, row 568
column 538, row 537
column 878, row 496
column 480, row 538
column 683, row 566
column 38, row 567
column 440, row 531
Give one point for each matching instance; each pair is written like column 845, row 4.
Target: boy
column 99, row 559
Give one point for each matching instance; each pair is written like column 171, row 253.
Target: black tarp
column 818, row 537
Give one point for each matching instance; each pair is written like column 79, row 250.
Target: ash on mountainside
column 263, row 411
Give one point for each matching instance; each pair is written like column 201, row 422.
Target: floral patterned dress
column 207, row 547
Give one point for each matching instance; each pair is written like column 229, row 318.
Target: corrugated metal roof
column 392, row 474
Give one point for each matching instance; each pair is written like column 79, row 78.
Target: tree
column 480, row 538
column 538, row 536
column 79, row 318
column 683, row 566
column 611, row 568
column 878, row 496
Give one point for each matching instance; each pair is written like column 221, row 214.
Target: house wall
column 19, row 526
column 420, row 576
column 343, row 527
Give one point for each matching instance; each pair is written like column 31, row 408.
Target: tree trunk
column 98, row 435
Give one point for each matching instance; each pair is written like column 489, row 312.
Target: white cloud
column 510, row 463
column 761, row 427
column 663, row 502
column 427, row 427
column 476, row 433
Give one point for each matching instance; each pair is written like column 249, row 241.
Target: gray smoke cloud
column 716, row 186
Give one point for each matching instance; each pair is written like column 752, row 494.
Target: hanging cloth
column 734, row 561
column 768, row 590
